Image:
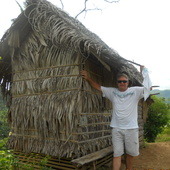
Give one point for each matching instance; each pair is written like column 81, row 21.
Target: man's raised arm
column 91, row 82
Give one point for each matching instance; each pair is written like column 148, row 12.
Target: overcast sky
column 138, row 30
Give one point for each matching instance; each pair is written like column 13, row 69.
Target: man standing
column 124, row 121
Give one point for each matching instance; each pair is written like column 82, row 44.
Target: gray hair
column 122, row 75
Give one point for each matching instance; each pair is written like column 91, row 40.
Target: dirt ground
column 155, row 156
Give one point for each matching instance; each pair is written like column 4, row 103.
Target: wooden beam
column 93, row 156
column 133, row 62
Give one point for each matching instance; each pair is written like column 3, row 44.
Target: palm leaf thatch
column 51, row 108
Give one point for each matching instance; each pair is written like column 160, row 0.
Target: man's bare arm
column 91, row 82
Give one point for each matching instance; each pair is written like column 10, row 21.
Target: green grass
column 164, row 136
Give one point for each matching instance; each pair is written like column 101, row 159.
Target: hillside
column 163, row 93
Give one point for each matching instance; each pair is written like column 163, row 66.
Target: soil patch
column 155, row 156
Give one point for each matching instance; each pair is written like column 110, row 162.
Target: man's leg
column 118, row 147
column 131, row 146
column 129, row 162
column 116, row 163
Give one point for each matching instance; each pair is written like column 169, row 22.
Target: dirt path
column 155, row 156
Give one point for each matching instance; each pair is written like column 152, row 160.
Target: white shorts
column 125, row 140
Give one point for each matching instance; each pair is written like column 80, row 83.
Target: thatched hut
column 52, row 110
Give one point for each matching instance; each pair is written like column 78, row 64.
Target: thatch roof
column 53, row 111
column 56, row 25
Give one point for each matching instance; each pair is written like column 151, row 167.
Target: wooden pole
column 133, row 62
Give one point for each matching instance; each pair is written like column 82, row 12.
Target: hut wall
column 54, row 111
column 46, row 91
column 94, row 132
column 141, row 122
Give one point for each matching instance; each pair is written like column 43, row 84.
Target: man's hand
column 84, row 74
column 141, row 68
column 92, row 83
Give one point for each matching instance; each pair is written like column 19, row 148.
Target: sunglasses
column 122, row 81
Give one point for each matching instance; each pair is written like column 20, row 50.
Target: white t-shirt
column 125, row 106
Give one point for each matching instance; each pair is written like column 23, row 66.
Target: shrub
column 158, row 118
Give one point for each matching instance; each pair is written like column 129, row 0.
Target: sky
column 138, row 30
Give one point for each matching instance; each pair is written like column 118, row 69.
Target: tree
column 86, row 7
column 158, row 118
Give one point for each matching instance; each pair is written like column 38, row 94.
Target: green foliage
column 3, row 144
column 2, row 104
column 165, row 135
column 163, row 94
column 8, row 161
column 4, row 127
column 158, row 118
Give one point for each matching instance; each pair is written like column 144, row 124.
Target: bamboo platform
column 91, row 161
